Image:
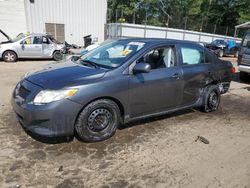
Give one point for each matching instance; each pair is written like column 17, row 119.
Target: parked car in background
column 121, row 81
column 224, row 47
column 244, row 57
column 33, row 46
column 88, row 49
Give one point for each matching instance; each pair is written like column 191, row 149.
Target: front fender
column 4, row 48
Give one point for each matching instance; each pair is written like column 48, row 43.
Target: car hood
column 6, row 36
column 64, row 74
column 6, row 42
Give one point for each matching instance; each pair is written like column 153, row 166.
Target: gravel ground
column 158, row 152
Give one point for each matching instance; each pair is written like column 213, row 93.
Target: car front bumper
column 50, row 120
column 244, row 68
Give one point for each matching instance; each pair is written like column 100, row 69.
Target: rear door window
column 192, row 55
column 38, row 40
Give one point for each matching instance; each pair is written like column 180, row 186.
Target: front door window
column 159, row 58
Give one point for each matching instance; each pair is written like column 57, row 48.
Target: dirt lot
column 159, row 152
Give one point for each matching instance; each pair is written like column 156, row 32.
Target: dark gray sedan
column 119, row 82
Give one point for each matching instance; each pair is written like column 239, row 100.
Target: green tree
column 206, row 15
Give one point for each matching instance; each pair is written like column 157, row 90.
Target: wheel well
column 121, row 108
column 55, row 52
column 212, row 82
column 215, row 82
column 119, row 104
column 10, row 51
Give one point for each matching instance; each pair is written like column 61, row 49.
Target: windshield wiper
column 88, row 62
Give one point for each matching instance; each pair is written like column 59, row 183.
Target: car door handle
column 176, row 76
column 37, row 47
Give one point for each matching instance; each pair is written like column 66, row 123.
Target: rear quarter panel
column 223, row 71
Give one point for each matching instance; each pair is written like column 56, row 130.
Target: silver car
column 35, row 46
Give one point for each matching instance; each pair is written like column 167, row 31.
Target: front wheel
column 9, row 56
column 57, row 56
column 211, row 99
column 98, row 121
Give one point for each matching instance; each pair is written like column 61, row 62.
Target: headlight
column 48, row 96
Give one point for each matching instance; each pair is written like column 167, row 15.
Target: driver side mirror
column 141, row 68
column 248, row 44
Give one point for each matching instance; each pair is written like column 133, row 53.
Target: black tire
column 243, row 76
column 57, row 56
column 220, row 53
column 98, row 121
column 211, row 98
column 9, row 56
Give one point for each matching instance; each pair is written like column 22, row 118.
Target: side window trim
column 209, row 55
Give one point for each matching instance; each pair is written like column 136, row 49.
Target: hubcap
column 58, row 56
column 9, row 57
column 213, row 100
column 99, row 119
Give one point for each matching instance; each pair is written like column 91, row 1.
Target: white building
column 68, row 20
column 12, row 17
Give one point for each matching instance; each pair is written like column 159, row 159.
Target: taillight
column 233, row 70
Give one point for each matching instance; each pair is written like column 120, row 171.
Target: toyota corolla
column 119, row 82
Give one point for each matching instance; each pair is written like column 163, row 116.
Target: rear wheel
column 211, row 99
column 98, row 121
column 57, row 56
column 243, row 76
column 9, row 56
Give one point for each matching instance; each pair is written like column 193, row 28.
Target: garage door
column 57, row 30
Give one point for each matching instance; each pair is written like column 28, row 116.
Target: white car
column 35, row 46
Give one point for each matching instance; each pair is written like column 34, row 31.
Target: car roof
column 38, row 34
column 160, row 40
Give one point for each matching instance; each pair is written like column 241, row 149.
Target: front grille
column 23, row 92
column 244, row 61
column 246, row 56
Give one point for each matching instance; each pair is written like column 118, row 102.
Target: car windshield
column 218, row 42
column 112, row 54
column 54, row 40
column 20, row 36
